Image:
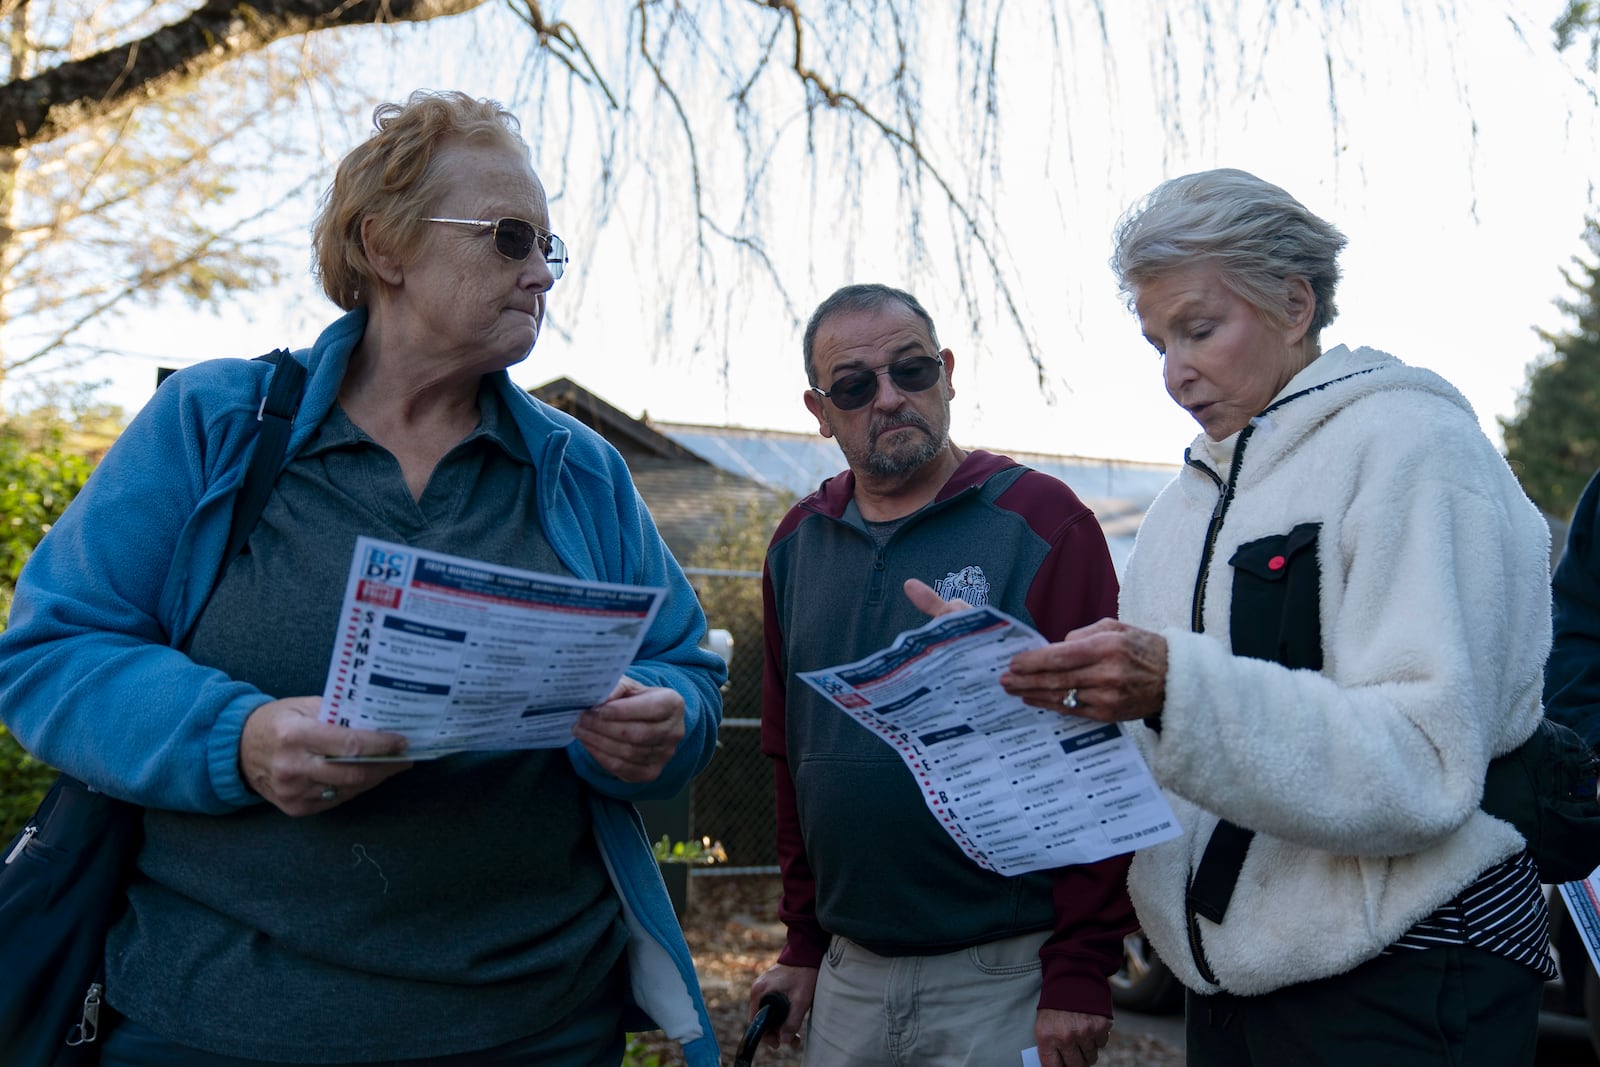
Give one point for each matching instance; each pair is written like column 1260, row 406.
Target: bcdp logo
column 384, row 566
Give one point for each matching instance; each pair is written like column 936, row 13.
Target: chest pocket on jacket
column 1277, row 603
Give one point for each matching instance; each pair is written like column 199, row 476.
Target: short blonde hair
column 390, row 177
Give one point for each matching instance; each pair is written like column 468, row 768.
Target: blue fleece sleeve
column 1572, row 674
column 88, row 681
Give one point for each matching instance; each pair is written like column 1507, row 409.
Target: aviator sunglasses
column 856, row 389
column 516, row 239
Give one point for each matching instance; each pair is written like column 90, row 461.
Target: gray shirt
column 460, row 905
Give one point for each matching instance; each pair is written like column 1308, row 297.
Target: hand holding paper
column 283, row 750
column 1116, row 672
column 634, row 734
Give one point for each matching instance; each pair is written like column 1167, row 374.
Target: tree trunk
column 16, row 27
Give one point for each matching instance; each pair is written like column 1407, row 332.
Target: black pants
column 1442, row 1007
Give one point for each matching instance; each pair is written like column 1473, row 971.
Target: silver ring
column 1070, row 701
column 329, row 793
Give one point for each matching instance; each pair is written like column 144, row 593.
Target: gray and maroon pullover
column 860, row 853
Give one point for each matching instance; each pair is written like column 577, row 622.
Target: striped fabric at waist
column 1503, row 912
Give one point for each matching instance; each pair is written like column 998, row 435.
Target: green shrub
column 637, row 1055
column 40, row 473
column 23, row 781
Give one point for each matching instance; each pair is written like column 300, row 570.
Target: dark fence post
column 670, row 817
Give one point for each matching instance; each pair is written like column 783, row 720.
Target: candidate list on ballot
column 458, row 654
column 1018, row 788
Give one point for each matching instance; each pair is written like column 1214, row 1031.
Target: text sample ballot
column 1583, row 905
column 1018, row 788
column 457, row 654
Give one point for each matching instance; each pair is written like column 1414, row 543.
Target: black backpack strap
column 275, row 418
column 1218, row 873
column 1275, row 616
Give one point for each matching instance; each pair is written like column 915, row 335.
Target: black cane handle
column 770, row 1013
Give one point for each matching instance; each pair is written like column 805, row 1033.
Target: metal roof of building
column 1118, row 491
column 681, row 467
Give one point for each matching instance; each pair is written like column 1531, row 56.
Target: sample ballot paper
column 1018, row 788
column 458, row 654
column 1583, row 904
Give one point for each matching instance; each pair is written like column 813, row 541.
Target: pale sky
column 1461, row 166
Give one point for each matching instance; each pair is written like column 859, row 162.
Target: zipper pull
column 28, row 833
column 88, row 1027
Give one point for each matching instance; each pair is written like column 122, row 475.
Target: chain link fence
column 731, row 801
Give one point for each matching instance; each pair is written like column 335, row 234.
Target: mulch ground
column 732, row 928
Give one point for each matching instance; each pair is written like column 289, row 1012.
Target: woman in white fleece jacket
column 1334, row 617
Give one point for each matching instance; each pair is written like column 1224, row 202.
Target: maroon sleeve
column 1093, row 914
column 1075, row 586
column 807, row 942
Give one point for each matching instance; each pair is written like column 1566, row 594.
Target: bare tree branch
column 695, row 185
column 65, row 97
column 562, row 42
column 143, row 282
column 684, row 119
column 906, row 140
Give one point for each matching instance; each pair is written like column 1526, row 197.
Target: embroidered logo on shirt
column 969, row 584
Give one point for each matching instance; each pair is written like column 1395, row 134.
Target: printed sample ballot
column 458, row 654
column 1583, row 904
column 1018, row 788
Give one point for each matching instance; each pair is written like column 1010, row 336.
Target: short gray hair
column 852, row 298
column 1257, row 235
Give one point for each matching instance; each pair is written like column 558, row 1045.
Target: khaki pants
column 974, row 1007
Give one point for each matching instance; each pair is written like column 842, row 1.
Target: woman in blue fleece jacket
column 481, row 909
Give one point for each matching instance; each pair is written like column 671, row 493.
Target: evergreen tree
column 1553, row 441
column 1580, row 20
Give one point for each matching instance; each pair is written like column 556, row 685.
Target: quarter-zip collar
column 835, row 499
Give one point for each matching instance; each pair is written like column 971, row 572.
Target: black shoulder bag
column 1545, row 787
column 64, row 876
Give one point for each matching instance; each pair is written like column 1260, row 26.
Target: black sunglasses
column 856, row 389
column 517, row 238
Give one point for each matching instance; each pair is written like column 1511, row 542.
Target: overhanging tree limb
column 40, row 108
column 906, row 140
